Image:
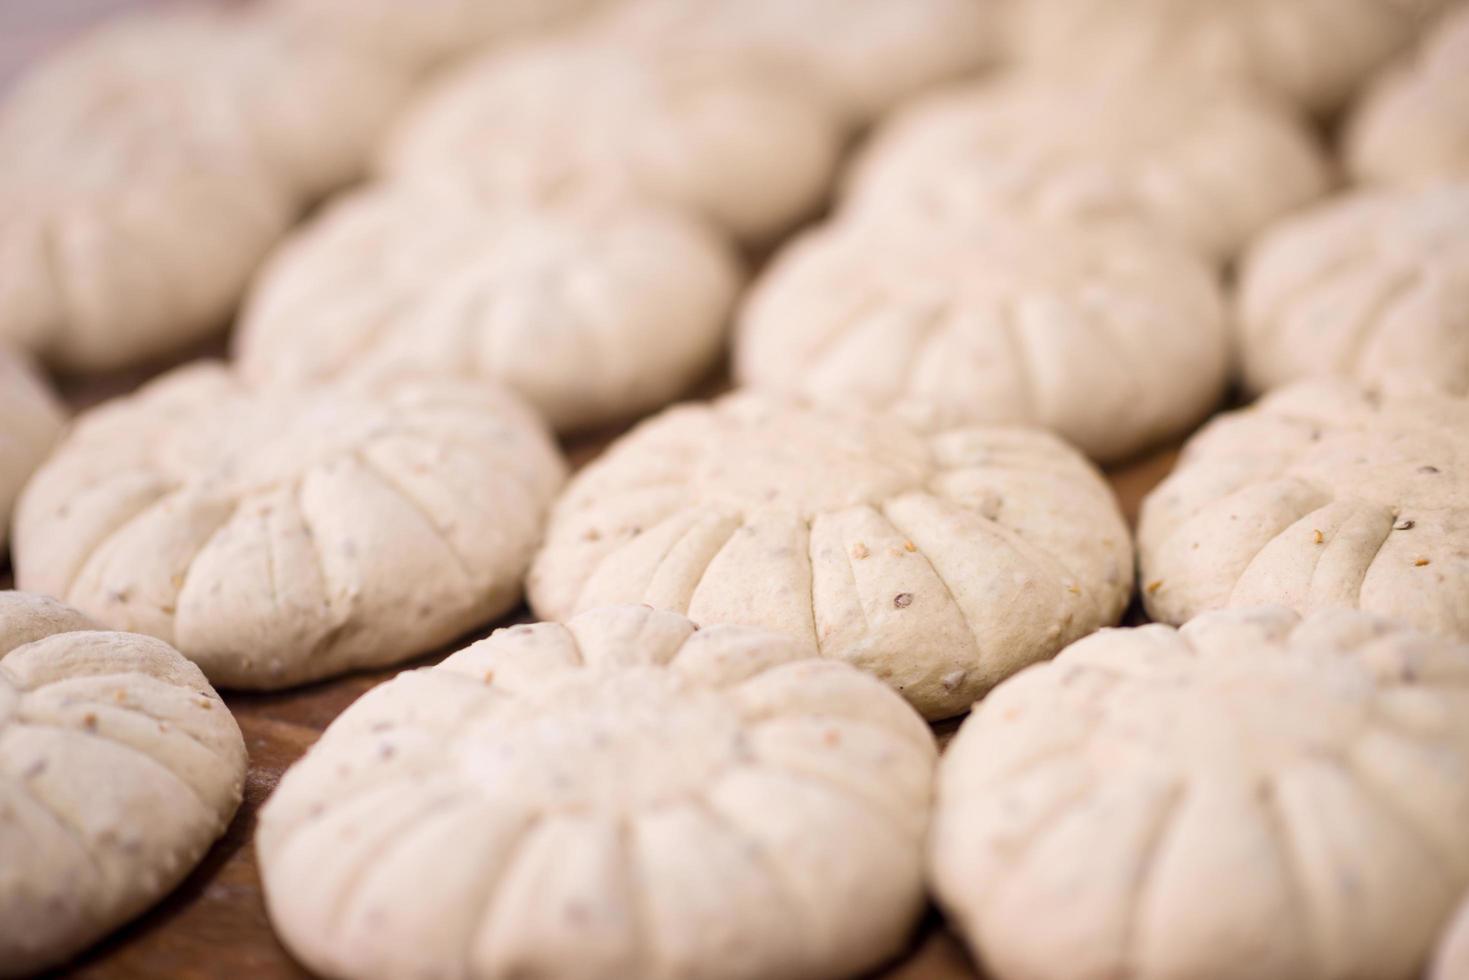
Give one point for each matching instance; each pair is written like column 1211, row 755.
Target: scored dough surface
column 119, row 767
column 1313, row 54
column 30, row 423
column 1115, row 340
column 1253, row 797
column 1211, row 168
column 940, row 559
column 736, row 140
column 277, row 537
column 1374, row 285
column 146, row 169
column 623, row 795
column 594, row 312
column 1323, row 494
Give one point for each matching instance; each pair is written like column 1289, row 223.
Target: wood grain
column 215, row 925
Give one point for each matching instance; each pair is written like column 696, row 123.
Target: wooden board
column 214, row 925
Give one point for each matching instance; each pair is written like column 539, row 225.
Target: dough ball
column 1323, row 495
column 1253, row 797
column 1374, row 285
column 1114, row 340
column 30, row 422
column 594, row 313
column 732, row 139
column 1413, row 124
column 279, row 537
column 1209, row 167
column 625, row 795
column 868, row 55
column 425, row 34
column 941, row 559
column 146, row 170
column 1313, row 54
column 119, row 767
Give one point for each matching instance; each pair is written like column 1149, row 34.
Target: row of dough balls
column 1080, row 813
column 147, row 170
column 628, row 794
column 348, row 526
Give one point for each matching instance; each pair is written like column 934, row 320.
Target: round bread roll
column 1253, row 797
column 279, row 537
column 594, row 313
column 940, row 559
column 1451, row 962
column 1211, row 168
column 424, row 34
column 1312, row 53
column 119, row 767
column 730, row 138
column 625, row 795
column 146, row 170
column 1373, row 285
column 30, row 422
column 1114, row 340
column 1413, row 124
column 868, row 55
column 1322, row 495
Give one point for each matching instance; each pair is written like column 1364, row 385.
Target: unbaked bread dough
column 941, row 559
column 1322, row 495
column 1210, row 167
column 1413, row 124
column 30, row 422
column 868, row 55
column 594, row 313
column 1312, row 53
column 279, row 537
column 1374, row 285
column 734, row 139
column 119, row 767
column 425, row 34
column 1253, row 797
column 1114, row 340
column 626, row 795
column 146, row 170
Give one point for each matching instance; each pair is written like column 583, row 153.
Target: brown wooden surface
column 214, row 925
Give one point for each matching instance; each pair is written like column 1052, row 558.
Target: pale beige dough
column 868, row 55
column 736, row 140
column 1322, row 495
column 119, row 767
column 625, row 795
column 1209, row 167
column 1451, row 961
column 594, row 313
column 426, row 34
column 146, row 169
column 1374, row 285
column 1253, row 797
column 30, row 422
column 279, row 537
column 1313, row 54
column 1114, row 340
column 939, row 558
column 1412, row 125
